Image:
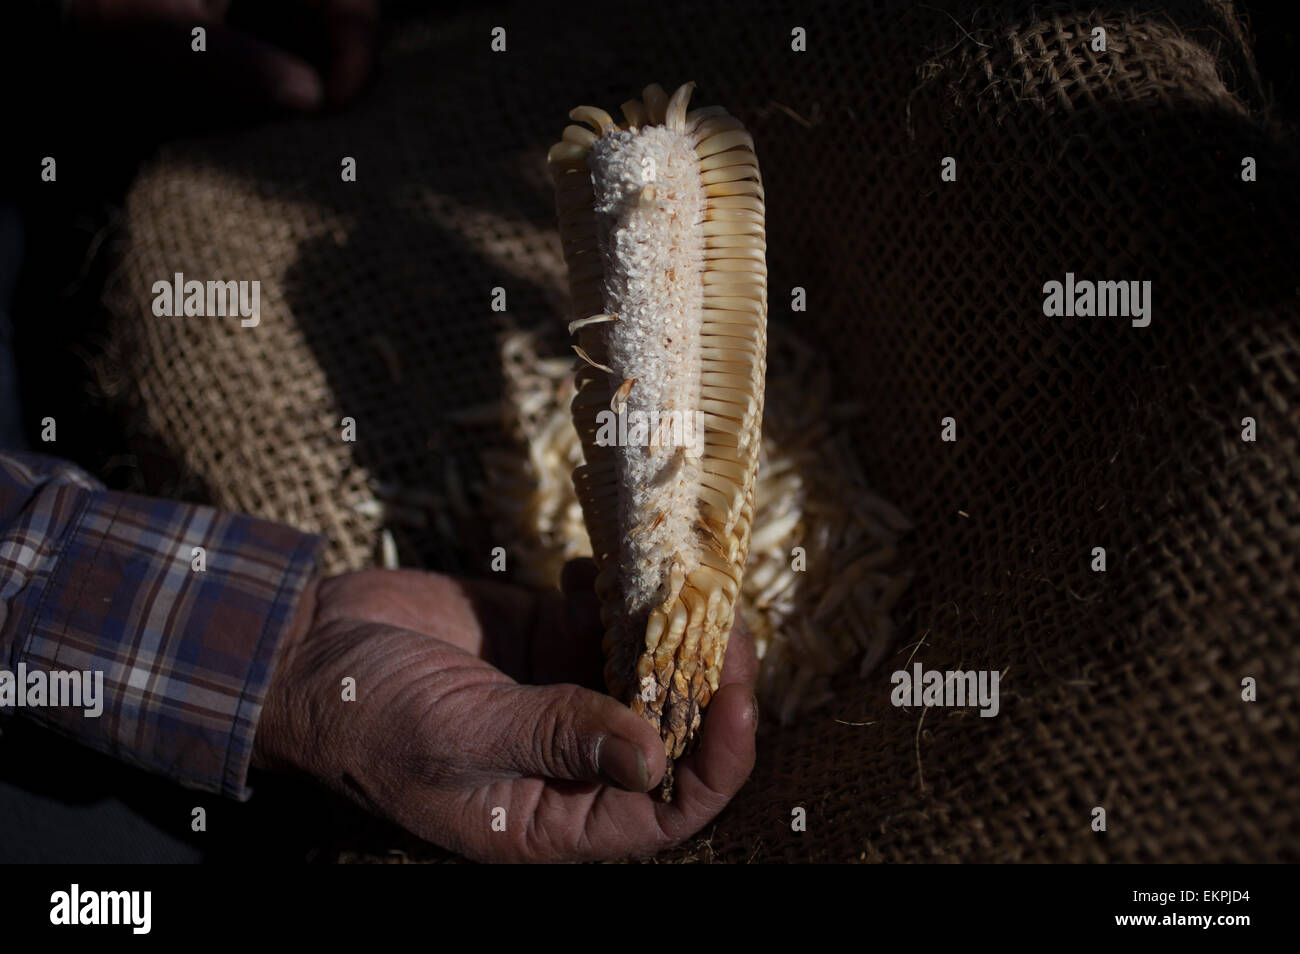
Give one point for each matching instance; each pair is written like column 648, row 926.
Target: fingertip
column 640, row 732
column 732, row 714
column 621, row 721
column 622, row 763
column 656, row 761
column 740, row 663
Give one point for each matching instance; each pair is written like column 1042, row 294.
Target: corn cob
column 662, row 222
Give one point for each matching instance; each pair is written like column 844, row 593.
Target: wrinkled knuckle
column 535, row 840
column 556, row 738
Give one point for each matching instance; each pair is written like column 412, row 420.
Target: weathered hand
column 445, row 744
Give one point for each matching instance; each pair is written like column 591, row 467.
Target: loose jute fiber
column 1120, row 689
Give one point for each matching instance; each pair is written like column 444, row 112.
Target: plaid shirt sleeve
column 94, row 580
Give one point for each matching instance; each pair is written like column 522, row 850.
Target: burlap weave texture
column 1121, row 689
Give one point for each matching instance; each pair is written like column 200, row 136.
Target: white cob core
column 661, row 220
column 649, row 207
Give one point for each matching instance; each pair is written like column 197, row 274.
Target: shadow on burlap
column 1120, row 690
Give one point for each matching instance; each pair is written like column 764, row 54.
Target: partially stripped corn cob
column 662, row 222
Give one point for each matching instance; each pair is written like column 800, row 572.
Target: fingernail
column 299, row 89
column 623, row 764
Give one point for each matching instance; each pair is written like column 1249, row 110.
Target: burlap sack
column 1121, row 690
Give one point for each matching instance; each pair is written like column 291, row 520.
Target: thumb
column 567, row 732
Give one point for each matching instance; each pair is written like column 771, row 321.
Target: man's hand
column 439, row 738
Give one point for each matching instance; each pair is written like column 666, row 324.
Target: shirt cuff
column 181, row 611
